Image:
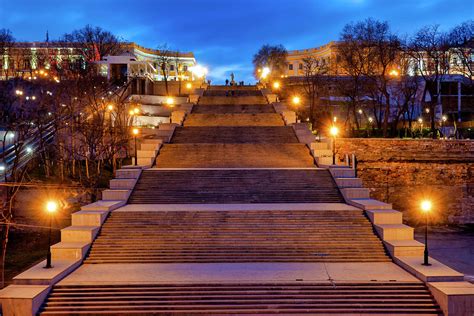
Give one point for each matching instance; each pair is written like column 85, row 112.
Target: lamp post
column 334, row 131
column 426, row 209
column 51, row 208
column 135, row 132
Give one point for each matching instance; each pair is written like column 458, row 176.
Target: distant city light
column 265, row 72
column 394, row 73
column 199, row 71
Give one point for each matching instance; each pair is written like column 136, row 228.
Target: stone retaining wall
column 404, row 171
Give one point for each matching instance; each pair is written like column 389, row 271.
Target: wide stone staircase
column 241, row 236
column 230, row 218
column 234, row 134
column 234, row 156
column 408, row 298
column 234, row 108
column 217, row 186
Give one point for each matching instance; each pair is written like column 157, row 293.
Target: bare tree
column 429, row 48
column 93, row 43
column 316, row 85
column 164, row 60
column 7, row 42
column 273, row 57
column 461, row 42
column 376, row 51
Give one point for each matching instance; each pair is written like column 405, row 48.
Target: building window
column 300, row 66
column 185, row 68
column 171, row 67
column 290, row 66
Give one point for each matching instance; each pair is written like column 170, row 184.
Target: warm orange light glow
column 131, row 112
column 189, row 85
column 110, row 107
column 296, row 100
column 135, row 131
column 51, row 206
column 170, row 101
column 426, row 206
column 334, row 131
column 276, row 85
column 136, row 110
column 394, row 73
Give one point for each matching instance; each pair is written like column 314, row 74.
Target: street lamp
column 189, row 86
column 296, row 100
column 110, row 107
column 334, row 131
column 135, row 133
column 170, row 101
column 51, row 208
column 426, row 209
column 276, row 85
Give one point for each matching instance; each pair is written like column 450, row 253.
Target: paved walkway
column 237, row 272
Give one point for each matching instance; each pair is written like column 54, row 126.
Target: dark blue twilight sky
column 224, row 34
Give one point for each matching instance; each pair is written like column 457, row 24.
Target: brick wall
column 404, row 171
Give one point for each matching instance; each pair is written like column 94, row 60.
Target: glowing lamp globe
column 296, row 100
column 426, row 206
column 334, row 131
column 51, row 206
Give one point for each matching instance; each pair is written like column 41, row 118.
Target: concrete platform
column 454, row 298
column 23, row 299
column 236, row 207
column 437, row 272
column 237, row 272
column 38, row 275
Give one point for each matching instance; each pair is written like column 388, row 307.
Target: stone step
column 70, row 250
column 398, row 248
column 244, row 236
column 260, row 119
column 377, row 298
column 79, row 233
column 348, row 182
column 385, row 216
column 147, row 153
column 395, row 232
column 234, row 156
column 115, row 195
column 322, row 152
column 103, row 206
column 128, row 173
column 370, row 204
column 144, row 161
column 235, row 108
column 319, row 146
column 154, row 147
column 235, row 134
column 89, row 218
column 355, row 193
column 236, row 186
column 342, row 172
column 127, row 184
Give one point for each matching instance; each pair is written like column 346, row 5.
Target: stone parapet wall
column 402, row 172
